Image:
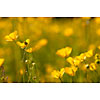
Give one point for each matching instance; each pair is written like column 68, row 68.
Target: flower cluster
column 76, row 63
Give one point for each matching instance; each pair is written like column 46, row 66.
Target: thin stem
column 60, row 79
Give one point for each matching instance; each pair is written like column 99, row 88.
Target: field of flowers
column 42, row 50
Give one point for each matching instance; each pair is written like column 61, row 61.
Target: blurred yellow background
column 50, row 34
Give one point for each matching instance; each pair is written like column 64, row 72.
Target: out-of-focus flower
column 49, row 68
column 68, row 32
column 98, row 47
column 21, row 71
column 97, row 56
column 92, row 46
column 54, row 29
column 97, row 20
column 1, row 61
column 39, row 44
column 58, row 74
column 5, row 24
column 23, row 44
column 12, row 36
column 71, row 70
column 64, row 52
column 98, row 32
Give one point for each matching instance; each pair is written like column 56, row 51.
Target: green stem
column 60, row 80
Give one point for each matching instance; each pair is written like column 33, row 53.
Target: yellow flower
column 92, row 66
column 71, row 70
column 64, row 52
column 29, row 50
column 97, row 56
column 82, row 56
column 1, row 61
column 23, row 44
column 70, row 60
column 74, row 68
column 89, row 53
column 58, row 74
column 74, row 61
column 77, row 60
column 99, row 47
column 12, row 36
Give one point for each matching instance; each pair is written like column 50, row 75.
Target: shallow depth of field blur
column 40, row 62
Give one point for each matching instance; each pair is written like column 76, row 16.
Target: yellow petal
column 82, row 56
column 69, row 71
column 98, row 47
column 7, row 38
column 70, row 60
column 77, row 61
column 64, row 52
column 74, row 68
column 1, row 61
column 62, row 72
column 89, row 53
column 12, row 36
column 68, row 51
column 55, row 74
column 29, row 50
column 22, row 45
